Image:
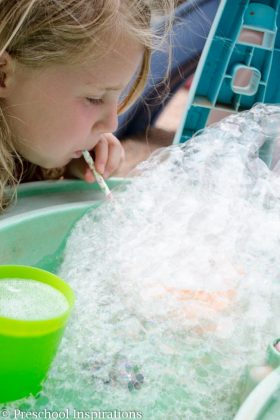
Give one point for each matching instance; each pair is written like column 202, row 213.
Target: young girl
column 63, row 67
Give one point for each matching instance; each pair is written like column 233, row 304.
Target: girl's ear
column 6, row 74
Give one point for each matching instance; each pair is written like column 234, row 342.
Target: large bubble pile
column 176, row 281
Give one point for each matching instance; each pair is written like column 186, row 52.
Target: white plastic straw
column 99, row 178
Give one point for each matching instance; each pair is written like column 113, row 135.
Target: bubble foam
column 176, row 281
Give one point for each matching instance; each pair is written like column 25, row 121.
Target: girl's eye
column 95, row 101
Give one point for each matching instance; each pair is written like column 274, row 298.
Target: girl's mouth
column 78, row 154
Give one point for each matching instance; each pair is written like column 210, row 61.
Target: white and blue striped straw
column 99, row 178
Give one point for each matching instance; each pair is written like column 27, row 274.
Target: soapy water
column 176, row 281
column 30, row 300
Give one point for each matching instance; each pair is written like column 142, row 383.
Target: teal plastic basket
column 239, row 66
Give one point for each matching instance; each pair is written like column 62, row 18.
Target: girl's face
column 60, row 110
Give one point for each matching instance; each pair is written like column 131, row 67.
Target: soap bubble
column 30, row 300
column 176, row 280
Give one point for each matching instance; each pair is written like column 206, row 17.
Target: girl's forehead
column 123, row 49
column 113, row 68
column 118, row 55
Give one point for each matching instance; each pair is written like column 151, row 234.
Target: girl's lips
column 78, row 154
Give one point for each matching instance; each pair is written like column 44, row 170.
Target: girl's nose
column 108, row 122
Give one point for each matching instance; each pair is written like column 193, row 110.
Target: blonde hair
column 39, row 33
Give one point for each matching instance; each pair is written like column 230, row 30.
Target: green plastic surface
column 38, row 237
column 27, row 348
column 35, row 229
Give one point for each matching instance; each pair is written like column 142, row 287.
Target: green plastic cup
column 27, row 346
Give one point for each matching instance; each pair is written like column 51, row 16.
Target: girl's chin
column 53, row 163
